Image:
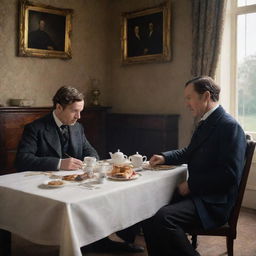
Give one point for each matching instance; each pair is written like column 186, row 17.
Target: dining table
column 78, row 213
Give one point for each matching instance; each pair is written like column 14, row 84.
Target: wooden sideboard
column 107, row 132
column 94, row 122
column 13, row 120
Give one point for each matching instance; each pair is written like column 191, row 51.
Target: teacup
column 137, row 160
column 90, row 161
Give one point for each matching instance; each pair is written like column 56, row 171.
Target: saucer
column 133, row 177
column 50, row 183
column 160, row 167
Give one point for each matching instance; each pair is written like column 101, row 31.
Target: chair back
column 248, row 160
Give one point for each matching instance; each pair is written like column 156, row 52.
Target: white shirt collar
column 56, row 119
column 207, row 114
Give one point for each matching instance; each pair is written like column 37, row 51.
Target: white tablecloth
column 73, row 216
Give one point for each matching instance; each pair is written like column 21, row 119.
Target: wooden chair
column 5, row 243
column 229, row 229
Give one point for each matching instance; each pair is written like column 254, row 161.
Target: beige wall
column 141, row 88
column 158, row 87
column 144, row 88
column 38, row 78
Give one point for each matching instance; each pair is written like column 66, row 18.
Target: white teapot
column 137, row 160
column 118, row 157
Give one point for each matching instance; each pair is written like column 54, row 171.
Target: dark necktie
column 64, row 132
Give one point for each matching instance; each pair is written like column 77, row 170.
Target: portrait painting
column 146, row 35
column 44, row 31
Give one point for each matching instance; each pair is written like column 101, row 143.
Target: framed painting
column 44, row 31
column 146, row 35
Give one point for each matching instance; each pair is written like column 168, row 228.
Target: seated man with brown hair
column 215, row 159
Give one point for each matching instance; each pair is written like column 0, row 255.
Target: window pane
column 245, row 2
column 246, row 71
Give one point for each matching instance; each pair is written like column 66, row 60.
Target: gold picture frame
column 44, row 31
column 145, row 35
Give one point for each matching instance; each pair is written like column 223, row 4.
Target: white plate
column 135, row 176
column 46, row 184
column 161, row 167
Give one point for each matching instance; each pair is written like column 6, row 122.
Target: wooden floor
column 245, row 244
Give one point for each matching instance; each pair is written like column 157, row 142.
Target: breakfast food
column 76, row 177
column 81, row 177
column 56, row 183
column 125, row 171
column 71, row 177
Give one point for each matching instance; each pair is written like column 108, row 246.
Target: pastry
column 124, row 171
column 81, row 177
column 71, row 177
column 55, row 183
column 76, row 177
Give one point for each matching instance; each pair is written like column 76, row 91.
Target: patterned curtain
column 208, row 19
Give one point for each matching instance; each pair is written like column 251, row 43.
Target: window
column 246, row 70
column 245, row 2
column 237, row 69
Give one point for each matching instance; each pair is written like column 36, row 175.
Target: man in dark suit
column 215, row 159
column 48, row 142
column 57, row 142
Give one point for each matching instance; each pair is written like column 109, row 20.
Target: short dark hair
column 66, row 95
column 203, row 84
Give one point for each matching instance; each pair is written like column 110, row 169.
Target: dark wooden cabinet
column 94, row 122
column 147, row 134
column 13, row 120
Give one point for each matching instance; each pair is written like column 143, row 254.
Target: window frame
column 228, row 58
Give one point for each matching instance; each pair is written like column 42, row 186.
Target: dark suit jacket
column 215, row 158
column 40, row 146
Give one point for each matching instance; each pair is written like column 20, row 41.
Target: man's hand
column 156, row 159
column 183, row 189
column 71, row 164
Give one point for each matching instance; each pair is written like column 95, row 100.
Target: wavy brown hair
column 67, row 95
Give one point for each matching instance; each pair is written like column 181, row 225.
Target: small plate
column 135, row 176
column 160, row 167
column 46, row 184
